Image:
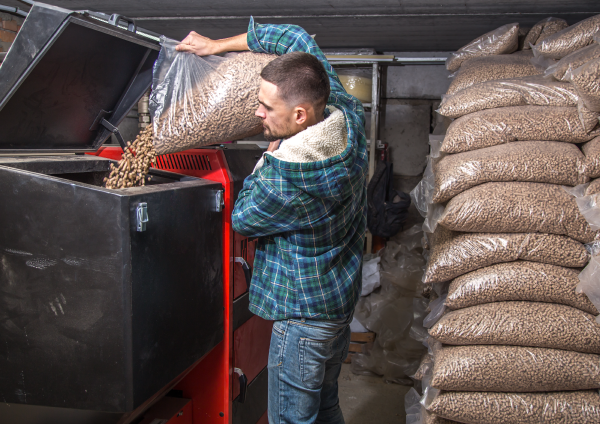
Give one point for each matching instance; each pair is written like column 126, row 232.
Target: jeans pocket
column 313, row 356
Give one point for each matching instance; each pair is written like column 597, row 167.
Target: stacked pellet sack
column 519, row 343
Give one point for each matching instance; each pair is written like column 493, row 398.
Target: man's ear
column 300, row 115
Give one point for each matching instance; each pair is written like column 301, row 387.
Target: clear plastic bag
column 197, row 101
column 518, row 281
column 587, row 201
column 587, row 117
column 481, row 69
column 578, row 407
column 570, row 39
column 573, row 61
column 593, row 187
column 586, row 80
column 534, row 90
column 499, row 41
column 530, row 324
column 371, row 278
column 516, row 123
column 421, row 197
column 514, row 369
column 517, row 207
column 531, row 161
column 417, row 414
column 459, row 253
column 589, row 282
column 542, row 30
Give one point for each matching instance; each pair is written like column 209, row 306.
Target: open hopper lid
column 70, row 76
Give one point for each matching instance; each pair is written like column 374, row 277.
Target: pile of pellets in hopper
column 481, row 69
column 573, row 61
column 517, row 207
column 459, row 253
column 499, row 41
column 491, row 127
column 219, row 107
column 542, row 30
column 532, row 324
column 569, row 39
column 518, row 281
column 577, row 407
column 586, row 80
column 534, row 90
column 534, row 161
column 514, row 369
column 135, row 163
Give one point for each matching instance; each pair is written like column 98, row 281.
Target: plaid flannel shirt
column 310, row 217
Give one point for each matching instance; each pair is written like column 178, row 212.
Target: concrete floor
column 366, row 400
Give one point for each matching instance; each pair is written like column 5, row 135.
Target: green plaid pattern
column 310, row 217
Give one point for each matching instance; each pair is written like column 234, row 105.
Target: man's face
column 278, row 117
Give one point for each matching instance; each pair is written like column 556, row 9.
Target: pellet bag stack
column 197, row 101
column 514, row 337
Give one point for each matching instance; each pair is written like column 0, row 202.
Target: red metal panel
column 251, row 349
column 264, row 419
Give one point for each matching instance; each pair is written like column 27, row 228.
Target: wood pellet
column 574, row 60
column 533, row 161
column 518, row 281
column 542, row 30
column 578, row 407
column 569, row 39
column 534, row 90
column 517, row 123
column 499, row 41
column 220, row 108
column 135, row 163
column 517, row 207
column 481, row 69
column 514, row 369
column 458, row 253
column 529, row 324
column 586, row 80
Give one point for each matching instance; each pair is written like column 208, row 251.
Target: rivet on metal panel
column 142, row 216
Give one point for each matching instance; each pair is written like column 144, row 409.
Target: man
column 306, row 201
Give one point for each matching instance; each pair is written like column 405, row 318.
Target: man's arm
column 204, row 46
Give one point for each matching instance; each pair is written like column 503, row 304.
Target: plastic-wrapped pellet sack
column 517, row 207
column 578, row 407
column 481, row 69
column 593, row 188
column 586, row 80
column 568, row 40
column 534, row 90
column 573, row 61
column 514, row 369
column 499, row 41
column 591, row 150
column 417, row 414
column 531, row 324
column 534, row 161
column 460, row 253
column 542, row 30
column 517, row 123
column 518, row 281
column 198, row 101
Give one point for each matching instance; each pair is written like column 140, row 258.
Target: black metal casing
column 96, row 315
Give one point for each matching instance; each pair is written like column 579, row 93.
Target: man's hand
column 204, row 46
column 273, row 145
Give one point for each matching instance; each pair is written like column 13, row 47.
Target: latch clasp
column 219, row 200
column 141, row 212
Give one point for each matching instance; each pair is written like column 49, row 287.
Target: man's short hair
column 300, row 77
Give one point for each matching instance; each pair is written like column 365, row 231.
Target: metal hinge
column 220, row 200
column 141, row 212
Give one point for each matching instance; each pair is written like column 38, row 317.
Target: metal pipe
column 13, row 10
column 375, row 15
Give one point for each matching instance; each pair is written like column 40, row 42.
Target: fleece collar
column 321, row 141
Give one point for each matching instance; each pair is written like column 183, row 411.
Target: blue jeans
column 305, row 359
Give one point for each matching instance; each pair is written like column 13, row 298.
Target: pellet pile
column 513, row 337
column 132, row 169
